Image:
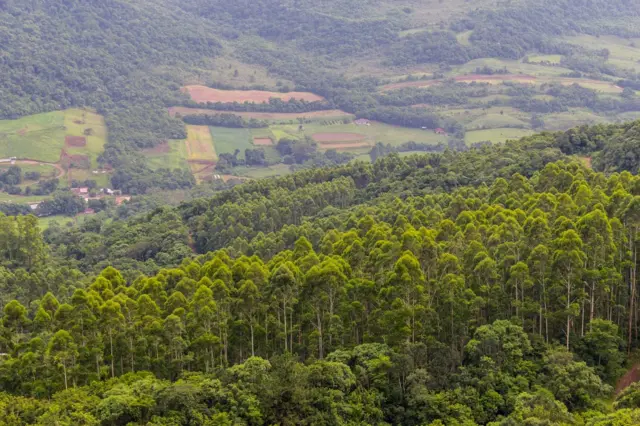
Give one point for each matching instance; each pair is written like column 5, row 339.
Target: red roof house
column 440, row 131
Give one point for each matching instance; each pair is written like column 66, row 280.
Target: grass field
column 551, row 59
column 263, row 172
column 173, row 155
column 36, row 137
column 495, row 120
column 79, row 122
column 228, row 140
column 572, row 118
column 463, row 38
column 496, row 135
column 377, row 132
column 46, row 171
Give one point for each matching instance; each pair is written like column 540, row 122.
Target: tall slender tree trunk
column 320, row 347
column 632, row 283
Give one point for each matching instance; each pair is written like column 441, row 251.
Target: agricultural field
column 60, row 144
column 38, row 137
column 624, row 53
column 227, row 140
column 203, row 94
column 377, row 132
column 545, row 59
column 498, row 135
column 169, row 155
column 199, row 145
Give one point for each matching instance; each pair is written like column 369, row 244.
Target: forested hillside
column 494, row 286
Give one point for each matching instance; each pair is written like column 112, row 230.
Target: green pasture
column 46, row 171
column 228, row 140
column 261, row 133
column 496, row 135
column 495, row 120
column 514, row 67
column 36, row 137
column 21, row 199
column 463, row 38
column 175, row 158
column 263, row 172
column 552, row 59
column 45, row 222
column 80, row 122
column 573, row 118
column 377, row 132
column 102, row 179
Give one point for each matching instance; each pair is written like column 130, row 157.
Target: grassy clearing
column 227, row 140
column 45, row 222
column 572, row 118
column 21, row 199
column 514, row 67
column 463, row 38
column 550, row 59
column 46, row 171
column 263, row 172
column 495, row 120
column 173, row 157
column 36, row 137
column 223, row 70
column 102, row 179
column 80, row 122
column 377, row 132
column 496, row 135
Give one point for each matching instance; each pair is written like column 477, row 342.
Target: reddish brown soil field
column 344, row 146
column 628, row 379
column 75, row 141
column 262, row 142
column 77, row 161
column 184, row 111
column 337, row 137
column 207, row 94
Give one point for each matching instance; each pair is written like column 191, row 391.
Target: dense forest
column 492, row 286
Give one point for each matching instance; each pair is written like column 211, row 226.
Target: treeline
column 246, row 205
column 274, row 105
column 225, row 120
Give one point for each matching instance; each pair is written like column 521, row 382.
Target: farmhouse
column 440, row 131
column 362, row 122
column 80, row 191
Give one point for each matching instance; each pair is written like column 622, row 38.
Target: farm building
column 81, row 190
column 440, row 131
column 362, row 122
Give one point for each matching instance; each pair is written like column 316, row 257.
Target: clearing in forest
column 203, row 94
